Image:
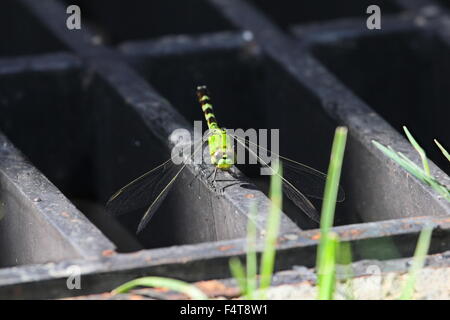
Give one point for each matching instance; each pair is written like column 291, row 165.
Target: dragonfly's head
column 224, row 159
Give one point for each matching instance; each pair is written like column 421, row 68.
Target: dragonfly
column 299, row 181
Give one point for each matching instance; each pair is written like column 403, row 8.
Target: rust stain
column 211, row 285
column 446, row 220
column 407, row 225
column 351, row 233
column 177, row 296
column 225, row 248
column 65, row 214
column 108, row 253
column 162, row 290
column 135, row 297
column 214, row 288
column 249, row 195
column 316, row 236
column 345, row 233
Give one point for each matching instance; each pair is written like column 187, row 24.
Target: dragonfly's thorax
column 221, row 149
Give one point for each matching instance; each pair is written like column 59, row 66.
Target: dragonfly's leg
column 211, row 173
column 231, row 184
column 212, row 181
column 233, row 181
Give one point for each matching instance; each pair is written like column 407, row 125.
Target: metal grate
column 84, row 112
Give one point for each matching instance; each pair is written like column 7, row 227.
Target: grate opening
column 149, row 19
column 287, row 13
column 444, row 3
column 57, row 115
column 22, row 33
column 48, row 108
column 403, row 76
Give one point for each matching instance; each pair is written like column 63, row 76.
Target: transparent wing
column 159, row 199
column 296, row 177
column 150, row 190
column 140, row 192
column 309, row 180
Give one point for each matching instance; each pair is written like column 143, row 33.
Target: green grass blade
column 444, row 152
column 344, row 261
column 251, row 261
column 272, row 228
column 440, row 188
column 327, row 274
column 333, row 177
column 423, row 244
column 158, row 282
column 238, row 273
column 415, row 170
column 420, row 150
column 327, row 243
column 414, row 167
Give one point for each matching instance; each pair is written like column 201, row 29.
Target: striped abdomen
column 220, row 146
column 205, row 101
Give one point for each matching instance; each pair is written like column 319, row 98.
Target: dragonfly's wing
column 300, row 200
column 294, row 172
column 161, row 194
column 150, row 190
column 309, row 180
column 140, row 192
column 289, row 189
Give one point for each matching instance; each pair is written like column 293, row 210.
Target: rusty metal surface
column 297, row 276
column 391, row 240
